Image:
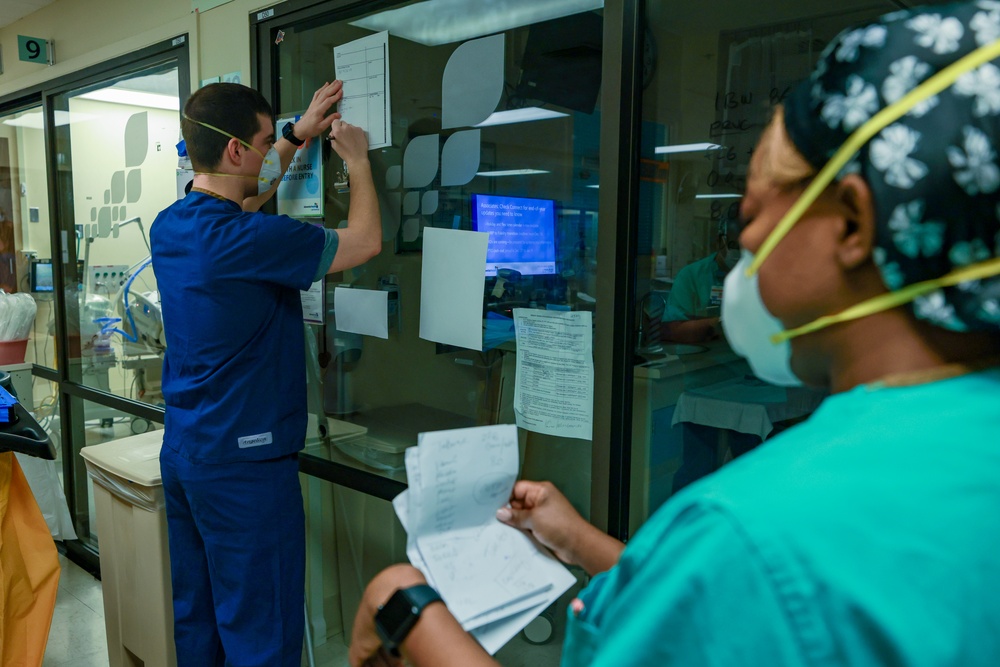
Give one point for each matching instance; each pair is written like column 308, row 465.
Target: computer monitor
column 41, row 280
column 522, row 233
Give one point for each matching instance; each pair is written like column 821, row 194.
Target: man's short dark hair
column 231, row 107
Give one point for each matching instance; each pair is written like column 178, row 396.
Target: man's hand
column 350, row 143
column 540, row 509
column 315, row 120
column 366, row 646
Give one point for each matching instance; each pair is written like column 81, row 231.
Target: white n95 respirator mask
column 750, row 327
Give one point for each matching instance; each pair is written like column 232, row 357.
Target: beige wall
column 86, row 33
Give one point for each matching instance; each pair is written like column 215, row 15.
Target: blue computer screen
column 41, row 276
column 522, row 233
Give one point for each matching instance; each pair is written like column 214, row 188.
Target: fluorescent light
column 521, row 116
column 134, row 98
column 512, row 172
column 437, row 22
column 686, row 148
column 729, row 196
column 33, row 120
column 595, row 186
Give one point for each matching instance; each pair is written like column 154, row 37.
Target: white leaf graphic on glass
column 912, row 236
column 890, row 153
column 935, row 33
column 989, row 5
column 904, row 75
column 872, row 36
column 472, row 83
column 964, row 253
column 982, row 83
column 975, row 167
column 935, row 308
column 986, row 26
column 854, row 108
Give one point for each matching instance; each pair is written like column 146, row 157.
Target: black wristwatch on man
column 396, row 618
column 288, row 132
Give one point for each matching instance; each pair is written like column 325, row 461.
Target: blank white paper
column 451, row 288
column 362, row 311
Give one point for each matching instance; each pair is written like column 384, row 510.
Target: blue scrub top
column 869, row 535
column 234, row 372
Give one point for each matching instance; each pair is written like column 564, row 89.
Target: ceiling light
column 437, row 22
column 521, row 116
column 595, row 186
column 33, row 120
column 134, row 98
column 686, row 148
column 729, row 196
column 512, row 172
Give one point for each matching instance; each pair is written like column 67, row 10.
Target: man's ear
column 234, row 151
column 857, row 238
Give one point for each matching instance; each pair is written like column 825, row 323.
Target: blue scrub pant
column 237, row 560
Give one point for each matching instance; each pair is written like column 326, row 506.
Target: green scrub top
column 868, row 535
column 696, row 289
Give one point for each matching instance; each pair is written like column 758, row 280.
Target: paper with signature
column 494, row 578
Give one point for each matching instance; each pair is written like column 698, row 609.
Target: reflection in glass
column 712, row 83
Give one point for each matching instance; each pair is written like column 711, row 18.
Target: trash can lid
column 136, row 458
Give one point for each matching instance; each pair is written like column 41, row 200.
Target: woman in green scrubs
column 870, row 534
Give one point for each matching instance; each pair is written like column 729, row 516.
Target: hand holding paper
column 493, row 577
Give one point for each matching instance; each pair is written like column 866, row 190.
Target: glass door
column 116, row 166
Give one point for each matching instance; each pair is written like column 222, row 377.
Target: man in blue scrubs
column 234, row 371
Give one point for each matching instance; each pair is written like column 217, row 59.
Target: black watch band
column 396, row 618
column 288, row 132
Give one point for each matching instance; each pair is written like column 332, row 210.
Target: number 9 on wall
column 34, row 50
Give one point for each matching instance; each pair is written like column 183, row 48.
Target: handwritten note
column 554, row 392
column 490, row 575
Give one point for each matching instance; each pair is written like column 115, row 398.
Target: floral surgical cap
column 934, row 173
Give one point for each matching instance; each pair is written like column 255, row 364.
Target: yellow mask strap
column 231, row 136
column 932, row 86
column 907, row 294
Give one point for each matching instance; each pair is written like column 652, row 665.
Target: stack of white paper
column 494, row 578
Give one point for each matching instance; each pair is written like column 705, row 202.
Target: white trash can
column 135, row 563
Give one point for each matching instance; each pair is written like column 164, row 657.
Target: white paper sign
column 362, row 311
column 363, row 66
column 453, row 277
column 312, row 303
column 554, row 391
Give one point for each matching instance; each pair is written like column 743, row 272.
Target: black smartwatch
column 288, row 132
column 397, row 617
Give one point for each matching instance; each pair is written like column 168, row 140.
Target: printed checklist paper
column 494, row 578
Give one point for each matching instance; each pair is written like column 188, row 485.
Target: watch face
column 395, row 618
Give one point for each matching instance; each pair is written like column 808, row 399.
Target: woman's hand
column 366, row 645
column 540, row 509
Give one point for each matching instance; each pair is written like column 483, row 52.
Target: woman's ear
column 857, row 237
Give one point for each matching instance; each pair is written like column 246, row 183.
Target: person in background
column 8, row 255
column 867, row 535
column 692, row 313
column 234, row 371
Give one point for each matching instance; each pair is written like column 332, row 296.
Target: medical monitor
column 522, row 233
column 41, row 276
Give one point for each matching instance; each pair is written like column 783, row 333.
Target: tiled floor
column 77, row 634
